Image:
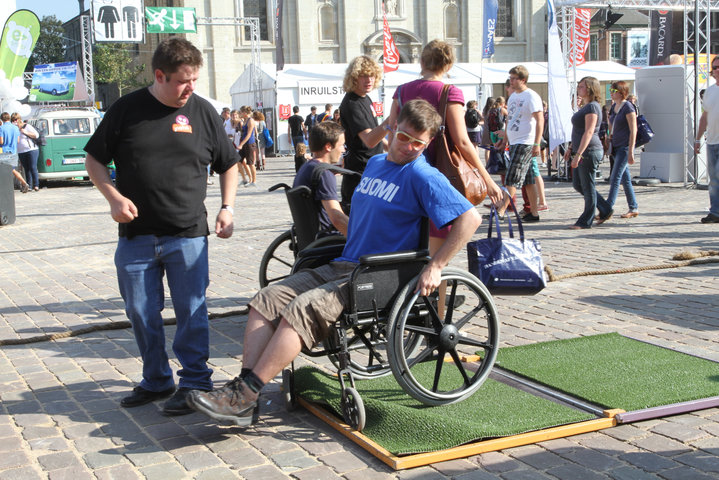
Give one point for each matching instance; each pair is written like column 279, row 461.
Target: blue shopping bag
column 507, row 266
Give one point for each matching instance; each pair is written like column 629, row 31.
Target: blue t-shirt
column 10, row 133
column 579, row 125
column 389, row 203
column 326, row 189
column 620, row 127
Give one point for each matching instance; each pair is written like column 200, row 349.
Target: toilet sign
column 170, row 20
column 118, row 21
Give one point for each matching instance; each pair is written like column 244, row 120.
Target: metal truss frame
column 87, row 69
column 697, row 39
column 253, row 23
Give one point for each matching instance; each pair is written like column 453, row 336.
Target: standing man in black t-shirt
column 295, row 127
column 364, row 137
column 162, row 138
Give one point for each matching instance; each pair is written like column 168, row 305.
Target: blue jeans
column 713, row 173
column 28, row 160
column 141, row 263
column 620, row 174
column 583, row 180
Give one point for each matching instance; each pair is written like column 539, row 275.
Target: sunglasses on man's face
column 405, row 137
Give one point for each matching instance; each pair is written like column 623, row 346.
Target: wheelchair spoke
column 275, row 279
column 284, row 262
column 449, row 310
column 438, row 371
column 460, row 367
column 433, row 313
column 475, row 343
column 467, row 317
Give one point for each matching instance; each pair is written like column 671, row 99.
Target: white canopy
column 306, row 85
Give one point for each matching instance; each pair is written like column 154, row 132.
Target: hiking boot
column 235, row 403
column 140, row 396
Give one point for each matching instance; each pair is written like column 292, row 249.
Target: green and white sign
column 19, row 36
column 170, row 20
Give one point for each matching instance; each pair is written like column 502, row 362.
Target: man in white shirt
column 709, row 123
column 523, row 132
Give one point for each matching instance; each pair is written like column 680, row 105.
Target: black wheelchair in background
column 305, row 232
column 389, row 328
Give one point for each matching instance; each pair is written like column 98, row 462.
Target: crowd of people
column 18, row 136
column 246, row 129
column 162, row 219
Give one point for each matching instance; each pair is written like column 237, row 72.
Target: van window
column 41, row 126
column 70, row 126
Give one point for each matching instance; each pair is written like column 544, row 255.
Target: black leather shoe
column 140, row 396
column 177, row 405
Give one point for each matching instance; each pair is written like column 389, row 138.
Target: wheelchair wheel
column 353, row 409
column 436, row 373
column 288, row 390
column 278, row 259
column 367, row 345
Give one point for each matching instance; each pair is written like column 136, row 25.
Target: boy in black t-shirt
column 295, row 127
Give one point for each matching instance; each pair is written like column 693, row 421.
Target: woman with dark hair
column 623, row 125
column 586, row 153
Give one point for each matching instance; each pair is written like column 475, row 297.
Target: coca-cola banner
column 660, row 37
column 582, row 18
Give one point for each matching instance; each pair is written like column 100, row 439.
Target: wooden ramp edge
column 463, row 451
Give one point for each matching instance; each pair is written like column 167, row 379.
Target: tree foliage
column 113, row 64
column 50, row 46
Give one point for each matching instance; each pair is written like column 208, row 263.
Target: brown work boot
column 235, row 402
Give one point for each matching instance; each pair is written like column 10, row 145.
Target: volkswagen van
column 66, row 133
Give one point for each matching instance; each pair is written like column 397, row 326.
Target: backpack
column 493, row 120
column 471, row 118
column 40, row 141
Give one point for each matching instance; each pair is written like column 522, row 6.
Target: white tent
column 318, row 84
column 215, row 103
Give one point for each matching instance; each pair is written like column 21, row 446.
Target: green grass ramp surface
column 615, row 371
column 403, row 425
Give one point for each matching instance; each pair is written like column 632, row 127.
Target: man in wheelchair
column 398, row 189
column 327, row 144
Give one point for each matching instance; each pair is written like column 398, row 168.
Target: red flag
column 582, row 18
column 390, row 54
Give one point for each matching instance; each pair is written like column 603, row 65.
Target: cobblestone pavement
column 59, row 415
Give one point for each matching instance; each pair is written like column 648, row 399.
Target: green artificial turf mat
column 403, row 425
column 614, row 371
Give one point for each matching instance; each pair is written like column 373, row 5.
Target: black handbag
column 507, row 266
column 644, row 130
column 498, row 160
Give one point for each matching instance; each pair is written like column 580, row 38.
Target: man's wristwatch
column 228, row 208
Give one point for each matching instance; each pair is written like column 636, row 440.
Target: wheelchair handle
column 394, row 257
column 279, row 185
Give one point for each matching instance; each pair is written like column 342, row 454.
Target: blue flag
column 490, row 21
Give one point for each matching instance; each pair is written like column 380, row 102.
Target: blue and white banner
column 490, row 21
column 560, row 109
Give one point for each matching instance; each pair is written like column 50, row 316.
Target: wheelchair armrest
column 324, row 251
column 279, row 185
column 394, row 257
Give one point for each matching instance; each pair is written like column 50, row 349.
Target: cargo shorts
column 310, row 300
